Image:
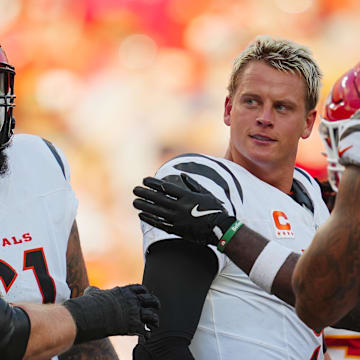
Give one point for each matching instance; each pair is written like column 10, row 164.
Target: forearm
column 52, row 330
column 246, row 246
column 181, row 289
column 326, row 279
column 94, row 350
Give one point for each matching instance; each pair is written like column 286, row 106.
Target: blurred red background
column 121, row 86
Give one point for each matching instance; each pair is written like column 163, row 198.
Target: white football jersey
column 239, row 319
column 37, row 210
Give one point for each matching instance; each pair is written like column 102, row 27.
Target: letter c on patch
column 280, row 220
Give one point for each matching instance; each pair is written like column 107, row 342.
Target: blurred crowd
column 123, row 85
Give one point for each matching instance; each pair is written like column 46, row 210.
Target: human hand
column 191, row 211
column 127, row 310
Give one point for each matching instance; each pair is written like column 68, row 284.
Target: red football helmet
column 7, row 100
column 342, row 104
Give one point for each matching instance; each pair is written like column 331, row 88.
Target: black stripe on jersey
column 304, row 173
column 300, row 195
column 56, row 155
column 236, row 181
column 207, row 171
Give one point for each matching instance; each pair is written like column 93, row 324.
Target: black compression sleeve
column 180, row 274
column 13, row 345
column 173, row 347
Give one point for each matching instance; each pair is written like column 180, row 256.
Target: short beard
column 3, row 162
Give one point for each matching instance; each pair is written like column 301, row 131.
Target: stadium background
column 122, row 85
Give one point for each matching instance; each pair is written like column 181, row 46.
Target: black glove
column 128, row 310
column 191, row 211
column 14, row 331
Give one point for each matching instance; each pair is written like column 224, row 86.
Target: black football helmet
column 7, row 100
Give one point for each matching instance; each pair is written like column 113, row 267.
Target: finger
column 164, row 186
column 192, row 184
column 157, row 222
column 150, row 318
column 149, row 301
column 158, row 198
column 154, row 209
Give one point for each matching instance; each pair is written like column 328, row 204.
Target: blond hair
column 283, row 55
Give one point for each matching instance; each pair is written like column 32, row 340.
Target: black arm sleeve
column 180, row 274
column 14, row 331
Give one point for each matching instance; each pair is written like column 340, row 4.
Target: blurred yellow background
column 122, row 85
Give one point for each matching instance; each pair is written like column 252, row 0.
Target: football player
column 218, row 300
column 37, row 331
column 271, row 270
column 41, row 259
column 339, row 129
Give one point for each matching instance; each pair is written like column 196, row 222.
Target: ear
column 309, row 123
column 227, row 110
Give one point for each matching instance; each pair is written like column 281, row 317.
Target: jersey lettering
column 282, row 225
column 6, row 242
column 34, row 260
column 14, row 240
column 7, row 274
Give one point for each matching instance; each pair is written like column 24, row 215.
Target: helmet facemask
column 7, row 104
column 329, row 133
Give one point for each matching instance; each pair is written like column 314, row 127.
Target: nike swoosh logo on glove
column 196, row 213
column 341, row 152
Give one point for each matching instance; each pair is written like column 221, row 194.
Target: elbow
column 307, row 316
column 308, row 308
column 316, row 311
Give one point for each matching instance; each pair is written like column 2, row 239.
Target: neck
column 280, row 177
